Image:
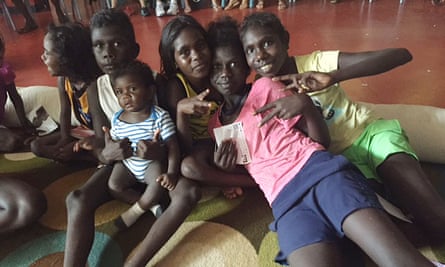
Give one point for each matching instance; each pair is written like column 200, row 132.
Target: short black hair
column 137, row 68
column 266, row 21
column 72, row 42
column 169, row 34
column 114, row 18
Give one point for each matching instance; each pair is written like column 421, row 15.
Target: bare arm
column 350, row 66
column 19, row 107
column 354, row 65
column 65, row 109
column 315, row 126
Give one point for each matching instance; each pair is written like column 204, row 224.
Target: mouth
column 107, row 68
column 265, row 68
column 200, row 67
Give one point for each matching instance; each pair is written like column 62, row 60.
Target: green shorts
column 379, row 140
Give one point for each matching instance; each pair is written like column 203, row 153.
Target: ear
column 136, row 50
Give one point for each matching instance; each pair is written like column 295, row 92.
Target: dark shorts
column 318, row 216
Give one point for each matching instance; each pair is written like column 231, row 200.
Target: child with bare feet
column 140, row 119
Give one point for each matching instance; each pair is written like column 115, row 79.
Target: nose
column 108, row 52
column 260, row 54
column 226, row 71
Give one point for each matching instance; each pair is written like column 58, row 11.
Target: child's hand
column 87, row 143
column 225, row 155
column 167, row 180
column 307, row 81
column 151, row 149
column 195, row 105
column 284, row 108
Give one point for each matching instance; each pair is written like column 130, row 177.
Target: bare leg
column 60, row 14
column 30, row 24
column 232, row 4
column 282, row 4
column 81, row 206
column 380, row 239
column 47, row 147
column 198, row 167
column 243, row 4
column 260, row 4
column 151, row 196
column 413, row 191
column 9, row 141
column 187, row 8
column 317, row 255
column 20, row 204
column 121, row 184
column 183, row 199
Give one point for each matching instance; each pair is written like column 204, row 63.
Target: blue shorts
column 318, row 216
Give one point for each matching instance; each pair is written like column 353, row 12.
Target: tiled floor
column 351, row 25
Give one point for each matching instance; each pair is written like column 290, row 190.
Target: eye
column 233, row 64
column 217, row 67
column 184, row 52
column 268, row 43
column 133, row 89
column 118, row 91
column 249, row 51
column 116, row 43
column 97, row 46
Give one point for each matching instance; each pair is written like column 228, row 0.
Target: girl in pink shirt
column 317, row 198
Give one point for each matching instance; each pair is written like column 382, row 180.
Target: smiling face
column 264, row 51
column 229, row 71
column 50, row 57
column 111, row 48
column 192, row 54
column 132, row 93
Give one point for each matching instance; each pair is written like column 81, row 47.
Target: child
column 9, row 140
column 68, row 56
column 379, row 148
column 139, row 119
column 114, row 46
column 317, row 198
column 20, row 204
column 185, row 60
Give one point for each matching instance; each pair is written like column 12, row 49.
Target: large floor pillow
column 424, row 125
column 33, row 98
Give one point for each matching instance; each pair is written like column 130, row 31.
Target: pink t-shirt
column 7, row 76
column 278, row 150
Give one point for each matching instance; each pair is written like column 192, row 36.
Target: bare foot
column 243, row 4
column 232, row 4
column 282, row 4
column 232, row 192
column 260, row 5
column 187, row 9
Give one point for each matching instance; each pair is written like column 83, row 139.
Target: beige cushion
column 424, row 125
column 33, row 97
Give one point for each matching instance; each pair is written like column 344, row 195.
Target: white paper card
column 235, row 132
column 42, row 121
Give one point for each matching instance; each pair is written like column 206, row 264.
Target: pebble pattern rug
column 219, row 232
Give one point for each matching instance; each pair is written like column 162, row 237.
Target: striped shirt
column 158, row 119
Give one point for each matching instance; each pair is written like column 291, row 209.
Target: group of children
column 162, row 135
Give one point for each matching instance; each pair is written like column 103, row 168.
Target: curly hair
column 169, row 34
column 137, row 68
column 72, row 42
column 267, row 21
